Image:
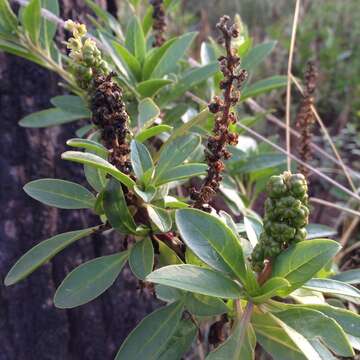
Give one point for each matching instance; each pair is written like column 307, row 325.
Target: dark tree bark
column 30, row 326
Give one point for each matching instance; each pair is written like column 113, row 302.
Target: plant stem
column 288, row 89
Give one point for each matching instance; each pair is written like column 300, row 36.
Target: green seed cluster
column 87, row 58
column 286, row 216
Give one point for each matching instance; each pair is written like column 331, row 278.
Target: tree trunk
column 30, row 326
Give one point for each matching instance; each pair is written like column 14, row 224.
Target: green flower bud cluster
column 87, row 59
column 286, row 216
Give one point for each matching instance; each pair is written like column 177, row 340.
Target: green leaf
column 302, row 343
column 141, row 258
column 181, row 172
column 147, row 195
column 160, row 217
column 141, row 161
column 8, row 19
column 335, row 288
column 48, row 28
column 253, row 228
column 270, row 289
column 91, row 145
column 18, row 50
column 97, row 178
column 82, row 131
column 313, row 324
column 175, row 152
column 48, row 117
column 43, row 252
column 98, row 163
column 196, row 279
column 300, row 262
column 89, row 280
column 128, row 59
column 148, row 113
column 60, row 193
column 240, row 345
column 126, row 75
column 108, row 19
column 135, row 41
column 31, row 19
column 180, row 342
column 274, row 339
column 189, row 80
column 347, row 319
column 212, row 241
column 71, row 104
column 175, row 52
column 257, row 55
column 167, row 256
column 351, row 277
column 153, row 131
column 154, row 56
column 203, row 305
column 316, row 231
column 263, row 86
column 149, row 338
column 258, row 162
column 116, row 209
column 149, row 88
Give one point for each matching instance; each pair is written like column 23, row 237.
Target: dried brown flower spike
column 305, row 117
column 216, row 151
column 109, row 114
column 159, row 22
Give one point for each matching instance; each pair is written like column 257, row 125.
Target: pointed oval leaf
column 135, row 40
column 149, row 338
column 60, row 193
column 175, row 52
column 181, row 172
column 140, row 159
column 154, row 56
column 148, row 113
column 116, row 209
column 71, row 104
column 87, row 144
column 89, row 280
column 31, row 19
column 203, row 305
column 128, row 59
column 149, row 88
column 212, row 241
column 274, row 339
column 160, row 217
column 188, row 81
column 151, row 132
column 270, row 289
column 300, row 262
column 43, row 252
column 175, row 152
column 98, row 163
column 347, row 319
column 256, row 55
column 336, row 288
column 302, row 343
column 49, row 117
column 351, row 277
column 263, row 86
column 180, row 342
column 313, row 324
column 316, row 231
column 141, row 259
column 198, row 280
column 8, row 19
